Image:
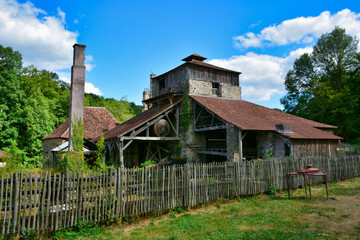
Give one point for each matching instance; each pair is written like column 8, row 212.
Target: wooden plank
column 12, row 177
column 152, row 138
column 52, row 200
column 16, row 200
column 57, row 202
column 5, row 205
column 42, row 207
column 1, row 201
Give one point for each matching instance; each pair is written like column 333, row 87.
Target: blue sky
column 128, row 40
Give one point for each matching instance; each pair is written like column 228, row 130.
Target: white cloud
column 62, row 15
column 89, row 87
column 88, row 63
column 255, row 24
column 301, row 29
column 42, row 39
column 262, row 75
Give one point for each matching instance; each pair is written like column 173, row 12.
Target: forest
column 34, row 102
column 325, row 85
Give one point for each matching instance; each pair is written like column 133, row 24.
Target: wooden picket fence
column 47, row 202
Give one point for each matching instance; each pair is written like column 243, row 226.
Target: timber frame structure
column 144, row 134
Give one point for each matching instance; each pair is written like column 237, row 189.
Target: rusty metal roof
column 134, row 122
column 250, row 116
column 97, row 120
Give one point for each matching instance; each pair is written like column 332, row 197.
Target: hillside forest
column 34, row 102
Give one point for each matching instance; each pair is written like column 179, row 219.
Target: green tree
column 99, row 161
column 323, row 85
column 11, row 95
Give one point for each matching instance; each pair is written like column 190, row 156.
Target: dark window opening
column 214, row 158
column 287, row 150
column 162, row 83
column 216, row 89
column 250, row 146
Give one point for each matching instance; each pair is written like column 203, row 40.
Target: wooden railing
column 49, row 201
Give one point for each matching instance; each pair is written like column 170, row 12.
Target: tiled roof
column 249, row 116
column 207, row 65
column 96, row 121
column 194, row 56
column 135, row 122
column 198, row 63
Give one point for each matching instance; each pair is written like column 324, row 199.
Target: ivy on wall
column 186, row 111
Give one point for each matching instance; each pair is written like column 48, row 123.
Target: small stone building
column 97, row 120
column 195, row 112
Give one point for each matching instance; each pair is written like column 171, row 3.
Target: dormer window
column 216, row 89
column 162, row 84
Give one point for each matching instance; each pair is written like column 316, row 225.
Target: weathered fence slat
column 48, row 201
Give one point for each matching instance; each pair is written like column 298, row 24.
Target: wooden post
column 240, row 145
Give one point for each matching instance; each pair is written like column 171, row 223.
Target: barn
column 194, row 113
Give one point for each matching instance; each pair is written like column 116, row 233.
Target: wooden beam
column 127, row 144
column 241, row 144
column 172, row 126
column 148, row 124
column 152, row 138
column 213, row 153
column 243, row 136
column 210, row 128
column 177, row 120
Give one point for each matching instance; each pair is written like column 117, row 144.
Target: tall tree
column 321, row 84
column 11, row 95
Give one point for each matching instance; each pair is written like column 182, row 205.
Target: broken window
column 216, row 89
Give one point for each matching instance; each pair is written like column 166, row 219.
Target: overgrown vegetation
column 34, row 102
column 325, row 85
column 186, row 111
column 148, row 163
column 259, row 217
column 74, row 161
column 99, row 163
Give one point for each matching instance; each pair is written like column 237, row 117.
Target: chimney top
column 79, row 54
column 194, row 56
column 79, row 45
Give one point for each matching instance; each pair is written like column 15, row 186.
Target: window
column 216, row 89
column 287, row 150
column 162, row 83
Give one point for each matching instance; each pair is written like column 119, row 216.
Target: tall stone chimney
column 77, row 88
column 146, row 96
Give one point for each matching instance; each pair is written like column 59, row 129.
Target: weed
column 272, row 190
column 218, row 205
column 179, row 210
column 28, row 234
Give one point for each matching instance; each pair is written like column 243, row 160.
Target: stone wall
column 199, row 87
column 190, row 141
column 48, row 145
column 228, row 91
column 265, row 142
column 232, row 143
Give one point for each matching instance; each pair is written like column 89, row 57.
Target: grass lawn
column 259, row 217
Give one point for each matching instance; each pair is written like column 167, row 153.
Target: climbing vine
column 186, row 111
